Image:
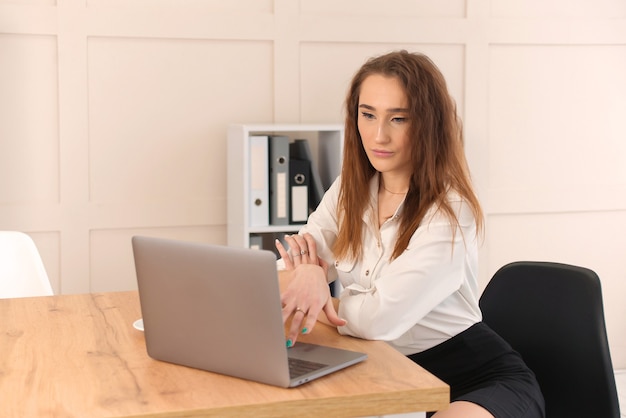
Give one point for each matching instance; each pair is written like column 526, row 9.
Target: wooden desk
column 79, row 356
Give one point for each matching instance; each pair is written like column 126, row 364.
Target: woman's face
column 383, row 123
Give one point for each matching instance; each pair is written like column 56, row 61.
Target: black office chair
column 553, row 315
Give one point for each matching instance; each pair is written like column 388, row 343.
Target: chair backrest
column 553, row 315
column 22, row 273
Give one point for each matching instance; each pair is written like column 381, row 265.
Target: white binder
column 259, row 181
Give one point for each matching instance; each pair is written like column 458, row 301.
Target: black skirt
column 480, row 367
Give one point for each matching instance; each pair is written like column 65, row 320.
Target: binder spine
column 299, row 183
column 259, row 204
column 300, row 149
column 279, row 179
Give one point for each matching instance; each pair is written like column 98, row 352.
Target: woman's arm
column 436, row 264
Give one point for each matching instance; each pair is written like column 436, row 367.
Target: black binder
column 300, row 149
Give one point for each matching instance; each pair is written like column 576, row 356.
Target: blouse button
column 367, row 272
column 336, row 263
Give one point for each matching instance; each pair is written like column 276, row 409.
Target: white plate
column 138, row 324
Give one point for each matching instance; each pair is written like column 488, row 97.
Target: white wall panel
column 157, row 112
column 394, row 8
column 30, row 2
column 558, row 9
column 29, row 131
column 556, row 131
column 217, row 6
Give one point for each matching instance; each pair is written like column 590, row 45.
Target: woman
column 399, row 229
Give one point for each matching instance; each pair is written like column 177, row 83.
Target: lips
column 382, row 153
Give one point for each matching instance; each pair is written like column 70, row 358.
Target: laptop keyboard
column 299, row 367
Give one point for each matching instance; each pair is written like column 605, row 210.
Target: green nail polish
column 304, row 330
column 289, row 343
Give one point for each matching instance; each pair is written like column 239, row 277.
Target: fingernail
column 289, row 343
column 304, row 330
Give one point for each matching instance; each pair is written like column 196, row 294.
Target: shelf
column 273, row 229
column 326, row 143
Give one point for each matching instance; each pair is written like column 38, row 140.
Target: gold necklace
column 394, row 192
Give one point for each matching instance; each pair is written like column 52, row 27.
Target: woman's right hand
column 307, row 293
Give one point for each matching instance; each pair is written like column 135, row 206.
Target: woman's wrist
column 284, row 278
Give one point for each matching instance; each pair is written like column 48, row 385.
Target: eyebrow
column 392, row 110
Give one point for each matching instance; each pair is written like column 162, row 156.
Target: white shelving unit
column 326, row 143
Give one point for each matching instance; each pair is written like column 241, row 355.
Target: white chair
column 22, row 273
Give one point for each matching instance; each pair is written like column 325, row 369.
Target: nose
column 382, row 135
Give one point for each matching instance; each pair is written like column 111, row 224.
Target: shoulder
column 459, row 207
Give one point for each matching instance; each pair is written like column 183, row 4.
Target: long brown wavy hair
column 439, row 163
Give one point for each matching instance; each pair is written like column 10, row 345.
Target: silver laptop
column 218, row 308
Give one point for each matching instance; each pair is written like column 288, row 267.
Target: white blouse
column 423, row 297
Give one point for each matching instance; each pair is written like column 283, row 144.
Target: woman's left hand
column 302, row 250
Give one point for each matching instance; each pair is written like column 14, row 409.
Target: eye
column 366, row 115
column 399, row 119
